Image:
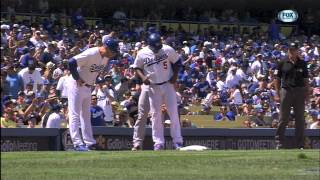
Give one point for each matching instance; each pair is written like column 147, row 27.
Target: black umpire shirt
column 292, row 74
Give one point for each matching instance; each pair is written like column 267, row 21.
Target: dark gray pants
column 143, row 110
column 293, row 97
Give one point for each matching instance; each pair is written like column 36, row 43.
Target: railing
column 189, row 26
column 65, row 20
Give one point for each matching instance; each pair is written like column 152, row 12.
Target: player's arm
column 144, row 78
column 176, row 61
column 175, row 67
column 73, row 65
column 138, row 68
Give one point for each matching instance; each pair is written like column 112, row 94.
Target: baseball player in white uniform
column 157, row 65
column 84, row 68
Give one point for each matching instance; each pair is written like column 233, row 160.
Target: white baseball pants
column 79, row 101
column 158, row 94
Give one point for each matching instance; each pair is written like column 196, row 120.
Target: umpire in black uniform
column 292, row 88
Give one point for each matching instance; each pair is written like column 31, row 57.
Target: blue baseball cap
column 55, row 107
column 231, row 116
column 111, row 44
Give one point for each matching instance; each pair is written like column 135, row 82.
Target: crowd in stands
column 226, row 68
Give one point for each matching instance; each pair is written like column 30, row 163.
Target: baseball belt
column 161, row 83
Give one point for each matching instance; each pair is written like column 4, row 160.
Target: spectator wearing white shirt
column 240, row 72
column 220, row 84
column 186, row 48
column 236, row 96
column 36, row 39
column 62, row 86
column 232, row 79
column 256, row 66
column 54, row 119
column 5, row 30
column 236, row 99
column 105, row 96
column 211, row 78
column 31, row 75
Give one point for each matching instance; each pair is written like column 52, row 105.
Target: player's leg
column 298, row 109
column 155, row 98
column 139, row 126
column 172, row 107
column 86, row 127
column 285, row 107
column 74, row 108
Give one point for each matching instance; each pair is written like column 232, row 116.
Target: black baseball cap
column 293, row 46
column 100, row 80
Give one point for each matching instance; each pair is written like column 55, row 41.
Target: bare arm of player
column 144, row 78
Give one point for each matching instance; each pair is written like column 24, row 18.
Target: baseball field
column 164, row 165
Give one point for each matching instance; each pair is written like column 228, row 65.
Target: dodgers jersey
column 156, row 66
column 90, row 64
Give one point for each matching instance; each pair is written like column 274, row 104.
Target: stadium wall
column 17, row 139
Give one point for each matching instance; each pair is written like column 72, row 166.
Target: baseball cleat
column 158, row 147
column 279, row 146
column 136, row 148
column 177, row 146
column 81, row 148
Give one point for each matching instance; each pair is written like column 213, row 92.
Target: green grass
column 206, row 121
column 165, row 165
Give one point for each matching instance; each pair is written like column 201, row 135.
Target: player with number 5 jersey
column 158, row 66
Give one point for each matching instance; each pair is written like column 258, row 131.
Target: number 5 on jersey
column 165, row 65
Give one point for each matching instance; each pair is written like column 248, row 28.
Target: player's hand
column 80, row 82
column 146, row 81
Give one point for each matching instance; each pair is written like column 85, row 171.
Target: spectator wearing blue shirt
column 26, row 57
column 201, row 88
column 47, row 55
column 13, row 82
column 97, row 114
column 224, row 114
